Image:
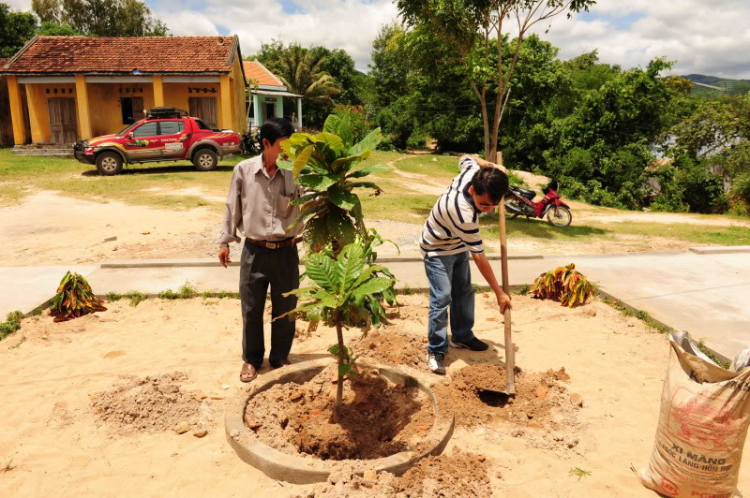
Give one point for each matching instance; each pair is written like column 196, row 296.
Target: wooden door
column 204, row 108
column 62, row 120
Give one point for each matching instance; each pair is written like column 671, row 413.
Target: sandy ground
column 53, row 443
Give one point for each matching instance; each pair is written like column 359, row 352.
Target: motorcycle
column 250, row 144
column 520, row 202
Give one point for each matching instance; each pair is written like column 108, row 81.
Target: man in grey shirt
column 258, row 207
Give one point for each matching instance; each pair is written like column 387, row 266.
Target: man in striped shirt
column 450, row 233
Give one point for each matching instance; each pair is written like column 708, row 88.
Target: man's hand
column 503, row 301
column 484, row 163
column 224, row 256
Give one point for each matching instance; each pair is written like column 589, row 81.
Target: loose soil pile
column 390, row 346
column 151, row 404
column 457, row 475
column 377, row 418
column 541, row 400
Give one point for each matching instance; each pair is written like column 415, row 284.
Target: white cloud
column 187, row 23
column 351, row 25
column 702, row 36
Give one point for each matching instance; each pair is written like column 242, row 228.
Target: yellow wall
column 104, row 101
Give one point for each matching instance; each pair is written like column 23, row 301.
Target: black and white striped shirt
column 452, row 226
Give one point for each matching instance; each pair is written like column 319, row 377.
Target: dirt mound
column 456, row 475
column 541, row 398
column 151, row 404
column 378, row 418
column 394, row 347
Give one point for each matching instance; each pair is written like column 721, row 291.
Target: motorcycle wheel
column 559, row 216
column 511, row 211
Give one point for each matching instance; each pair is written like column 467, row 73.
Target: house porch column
column 16, row 111
column 299, row 112
column 82, row 103
column 226, row 103
column 256, row 110
column 158, row 84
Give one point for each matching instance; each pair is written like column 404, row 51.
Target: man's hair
column 490, row 180
column 274, row 129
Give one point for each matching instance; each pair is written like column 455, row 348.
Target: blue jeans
column 450, row 286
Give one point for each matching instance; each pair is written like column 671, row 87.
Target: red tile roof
column 3, row 61
column 150, row 54
column 256, row 71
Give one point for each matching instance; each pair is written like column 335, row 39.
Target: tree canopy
column 16, row 28
column 100, row 17
column 476, row 29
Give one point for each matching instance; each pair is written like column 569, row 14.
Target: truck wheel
column 109, row 163
column 205, row 160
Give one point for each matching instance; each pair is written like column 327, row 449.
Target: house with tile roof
column 75, row 87
column 267, row 94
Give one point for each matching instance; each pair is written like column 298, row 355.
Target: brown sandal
column 248, row 373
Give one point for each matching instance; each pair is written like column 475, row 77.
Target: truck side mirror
column 129, row 136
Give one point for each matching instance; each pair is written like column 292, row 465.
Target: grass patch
column 187, row 291
column 701, row 234
column 135, row 297
column 11, row 324
column 639, row 314
column 22, row 175
column 113, row 296
column 723, row 364
column 579, row 473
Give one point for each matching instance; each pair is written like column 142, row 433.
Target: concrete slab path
column 706, row 294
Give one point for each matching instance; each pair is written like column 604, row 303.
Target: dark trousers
column 259, row 268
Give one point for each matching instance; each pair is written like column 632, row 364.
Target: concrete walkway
column 707, row 294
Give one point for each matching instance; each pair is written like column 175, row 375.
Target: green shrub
column 12, row 324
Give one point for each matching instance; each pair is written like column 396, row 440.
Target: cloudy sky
column 703, row 36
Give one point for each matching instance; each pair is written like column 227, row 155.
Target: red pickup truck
column 163, row 136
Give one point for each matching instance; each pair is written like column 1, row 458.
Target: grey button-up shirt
column 258, row 207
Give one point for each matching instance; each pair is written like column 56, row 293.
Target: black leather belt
column 276, row 244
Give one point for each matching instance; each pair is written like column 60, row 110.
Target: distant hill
column 730, row 86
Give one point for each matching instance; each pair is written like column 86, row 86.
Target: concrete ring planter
column 300, row 470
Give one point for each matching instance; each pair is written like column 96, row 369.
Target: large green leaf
column 342, row 198
column 324, row 298
column 345, row 163
column 341, row 126
column 282, row 164
column 368, row 143
column 373, row 286
column 349, row 266
column 367, row 273
column 369, row 170
column 292, row 144
column 333, row 142
column 307, row 197
column 322, row 270
column 303, row 157
column 318, row 183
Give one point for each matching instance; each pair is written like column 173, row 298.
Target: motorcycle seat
column 528, row 194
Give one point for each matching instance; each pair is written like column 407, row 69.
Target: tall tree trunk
column 482, row 96
column 340, row 382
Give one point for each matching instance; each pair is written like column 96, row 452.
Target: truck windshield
column 126, row 129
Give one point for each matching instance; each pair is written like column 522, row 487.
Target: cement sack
column 703, row 421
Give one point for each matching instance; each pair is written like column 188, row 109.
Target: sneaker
column 473, row 344
column 435, row 361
